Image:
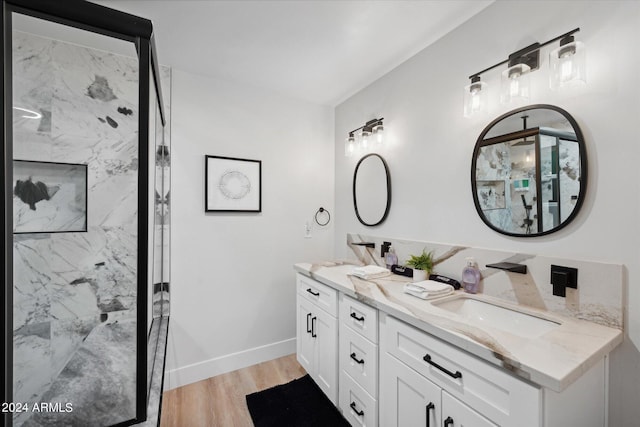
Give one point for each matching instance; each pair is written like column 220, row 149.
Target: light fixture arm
column 368, row 126
column 528, row 55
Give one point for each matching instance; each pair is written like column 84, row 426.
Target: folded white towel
column 370, row 272
column 428, row 289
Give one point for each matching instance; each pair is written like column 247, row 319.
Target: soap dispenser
column 471, row 276
column 391, row 258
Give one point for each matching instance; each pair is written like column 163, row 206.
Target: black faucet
column 563, row 278
column 384, row 248
column 365, row 244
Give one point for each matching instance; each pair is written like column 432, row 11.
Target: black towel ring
column 328, row 217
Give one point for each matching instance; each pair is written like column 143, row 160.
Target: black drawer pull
column 360, row 361
column 308, row 316
column 430, row 406
column 457, row 374
column 313, row 326
column 448, row 421
column 355, row 316
column 358, row 413
column 315, row 294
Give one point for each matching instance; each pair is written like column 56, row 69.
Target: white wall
column 432, row 144
column 233, row 284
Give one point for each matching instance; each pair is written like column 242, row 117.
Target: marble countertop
column 553, row 360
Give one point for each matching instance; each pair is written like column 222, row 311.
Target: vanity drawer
column 358, row 407
column 359, row 358
column 503, row 398
column 320, row 294
column 359, row 317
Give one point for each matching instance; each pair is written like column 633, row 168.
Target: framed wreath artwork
column 232, row 185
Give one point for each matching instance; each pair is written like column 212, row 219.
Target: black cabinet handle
column 315, row 294
column 313, row 326
column 427, row 359
column 448, row 421
column 360, row 361
column 430, row 406
column 358, row 413
column 308, row 316
column 355, row 316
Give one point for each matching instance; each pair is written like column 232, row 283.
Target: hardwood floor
column 220, row 401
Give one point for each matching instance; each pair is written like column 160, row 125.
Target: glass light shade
column 475, row 98
column 378, row 134
column 515, row 83
column 567, row 66
column 350, row 146
column 365, row 141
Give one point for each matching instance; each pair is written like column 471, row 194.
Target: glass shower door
column 79, row 241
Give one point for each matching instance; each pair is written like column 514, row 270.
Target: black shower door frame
column 109, row 22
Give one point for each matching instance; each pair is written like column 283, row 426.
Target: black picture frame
column 30, row 172
column 232, row 184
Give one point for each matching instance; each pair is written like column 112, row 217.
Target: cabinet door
column 407, row 399
column 360, row 317
column 358, row 407
column 359, row 358
column 325, row 330
column 319, row 294
column 305, row 343
column 486, row 388
column 457, row 414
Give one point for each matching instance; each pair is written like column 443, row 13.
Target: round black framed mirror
column 371, row 190
column 529, row 171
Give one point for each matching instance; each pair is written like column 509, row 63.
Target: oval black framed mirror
column 529, row 171
column 371, row 190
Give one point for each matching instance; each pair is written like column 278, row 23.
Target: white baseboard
column 220, row 365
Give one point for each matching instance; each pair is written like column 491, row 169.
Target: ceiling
column 317, row 51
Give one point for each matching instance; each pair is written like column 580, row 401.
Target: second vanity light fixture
column 371, row 135
column 566, row 67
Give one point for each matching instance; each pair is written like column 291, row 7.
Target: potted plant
column 422, row 265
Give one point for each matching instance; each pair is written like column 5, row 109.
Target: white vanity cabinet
column 358, row 358
column 455, row 377
column 383, row 371
column 317, row 333
column 427, row 382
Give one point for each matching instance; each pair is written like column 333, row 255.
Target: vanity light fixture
column 567, row 66
column 515, row 83
column 364, row 140
column 350, row 145
column 475, row 97
column 371, row 136
column 378, row 132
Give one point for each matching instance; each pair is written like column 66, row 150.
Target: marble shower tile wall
column 599, row 297
column 75, row 293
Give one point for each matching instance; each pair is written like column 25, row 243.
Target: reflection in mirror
column 529, row 171
column 371, row 190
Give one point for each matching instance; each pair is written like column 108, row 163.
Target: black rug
column 298, row 403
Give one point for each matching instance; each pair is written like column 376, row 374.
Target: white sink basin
column 483, row 313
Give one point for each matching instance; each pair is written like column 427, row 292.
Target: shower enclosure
column 85, row 253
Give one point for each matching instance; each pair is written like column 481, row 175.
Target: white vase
column 419, row 275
